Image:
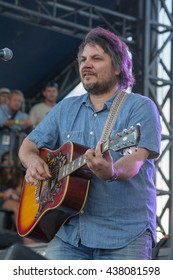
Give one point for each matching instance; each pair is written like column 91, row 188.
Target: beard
column 102, row 87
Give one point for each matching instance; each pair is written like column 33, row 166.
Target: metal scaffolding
column 148, row 30
column 72, row 18
column 158, row 85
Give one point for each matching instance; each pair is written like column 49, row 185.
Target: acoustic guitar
column 46, row 206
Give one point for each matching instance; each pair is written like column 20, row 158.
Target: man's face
column 51, row 94
column 15, row 102
column 4, row 98
column 96, row 70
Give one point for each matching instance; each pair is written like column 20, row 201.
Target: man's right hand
column 37, row 170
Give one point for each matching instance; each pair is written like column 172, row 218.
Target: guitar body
column 45, row 207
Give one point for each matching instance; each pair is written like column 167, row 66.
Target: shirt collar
column 107, row 104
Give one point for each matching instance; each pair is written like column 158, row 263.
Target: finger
column 47, row 171
column 89, row 154
column 30, row 180
column 107, row 156
column 98, row 149
column 32, row 176
column 36, row 175
column 39, row 170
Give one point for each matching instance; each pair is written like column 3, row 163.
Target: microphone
column 6, row 54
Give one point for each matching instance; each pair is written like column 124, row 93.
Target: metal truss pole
column 72, row 17
column 157, row 83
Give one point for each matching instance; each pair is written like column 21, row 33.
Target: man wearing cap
column 4, row 95
column 40, row 110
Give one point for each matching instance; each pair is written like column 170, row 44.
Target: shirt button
column 68, row 136
column 91, row 132
column 95, row 114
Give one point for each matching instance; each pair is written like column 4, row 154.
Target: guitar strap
column 112, row 116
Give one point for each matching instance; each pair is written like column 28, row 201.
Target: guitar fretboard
column 126, row 139
column 77, row 163
column 71, row 167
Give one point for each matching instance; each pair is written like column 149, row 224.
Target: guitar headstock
column 126, row 139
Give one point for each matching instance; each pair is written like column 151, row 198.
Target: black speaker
column 20, row 252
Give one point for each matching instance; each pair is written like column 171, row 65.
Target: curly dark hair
column 116, row 49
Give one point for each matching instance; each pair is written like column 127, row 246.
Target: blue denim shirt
column 115, row 213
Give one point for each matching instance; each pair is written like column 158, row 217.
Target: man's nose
column 88, row 63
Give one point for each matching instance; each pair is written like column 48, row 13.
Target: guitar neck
column 71, row 167
column 124, row 140
column 77, row 163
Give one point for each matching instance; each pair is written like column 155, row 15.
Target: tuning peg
column 129, row 151
column 119, row 134
column 125, row 131
column 126, row 151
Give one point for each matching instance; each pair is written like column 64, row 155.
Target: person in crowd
column 13, row 121
column 11, row 114
column 40, row 110
column 4, row 95
column 118, row 219
column 11, row 180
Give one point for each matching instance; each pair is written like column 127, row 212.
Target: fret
column 79, row 161
column 105, row 146
column 71, row 167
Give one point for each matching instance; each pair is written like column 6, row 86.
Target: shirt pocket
column 73, row 136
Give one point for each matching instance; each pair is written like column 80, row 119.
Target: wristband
column 17, row 122
column 114, row 176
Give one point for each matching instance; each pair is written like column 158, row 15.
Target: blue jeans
column 139, row 249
